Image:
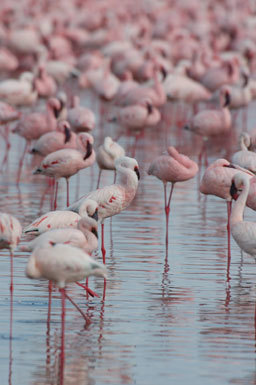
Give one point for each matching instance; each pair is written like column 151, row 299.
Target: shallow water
column 166, row 317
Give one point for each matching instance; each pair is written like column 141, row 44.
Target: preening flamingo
column 217, row 180
column 61, row 219
column 114, row 198
column 244, row 157
column 243, row 232
column 174, row 167
column 106, row 155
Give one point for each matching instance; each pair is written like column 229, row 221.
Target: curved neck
column 127, row 178
column 237, row 213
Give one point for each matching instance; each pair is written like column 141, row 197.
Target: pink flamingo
column 217, row 180
column 53, row 141
column 45, row 84
column 7, row 114
column 32, row 125
column 174, row 167
column 243, row 232
column 114, row 198
column 80, row 118
column 62, row 264
column 19, row 92
column 57, row 219
column 137, row 116
column 67, row 162
column 10, row 233
column 85, row 236
column 106, row 155
column 244, row 157
column 208, row 123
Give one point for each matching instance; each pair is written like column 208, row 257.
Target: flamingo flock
column 70, row 80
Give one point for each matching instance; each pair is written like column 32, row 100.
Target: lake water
column 167, row 318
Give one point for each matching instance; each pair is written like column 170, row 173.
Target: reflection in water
column 161, row 308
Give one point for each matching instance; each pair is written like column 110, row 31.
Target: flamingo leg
column 103, row 250
column 56, row 195
column 87, row 319
column 62, row 348
column 98, row 182
column 67, row 180
column 88, row 290
column 48, row 356
column 229, row 206
column 21, row 163
column 114, row 177
column 87, row 284
column 167, row 208
column 11, row 318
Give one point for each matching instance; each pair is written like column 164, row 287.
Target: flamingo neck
column 127, row 178
column 237, row 214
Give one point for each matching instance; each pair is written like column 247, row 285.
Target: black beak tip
column 137, row 172
column 88, row 150
column 233, row 190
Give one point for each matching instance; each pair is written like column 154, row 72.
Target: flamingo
column 7, row 114
column 137, row 116
column 217, row 180
column 63, row 264
column 53, row 141
column 174, row 167
column 114, row 198
column 84, row 237
column 243, row 232
column 208, row 123
column 245, row 158
column 19, row 92
column 80, row 118
column 44, row 83
column 10, row 233
column 60, row 219
column 67, row 162
column 106, row 155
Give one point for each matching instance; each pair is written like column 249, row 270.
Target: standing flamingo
column 217, row 180
column 244, row 157
column 208, row 123
column 62, row 264
column 61, row 219
column 85, row 236
column 243, row 232
column 67, row 162
column 80, row 118
column 10, row 233
column 174, row 167
column 114, row 198
column 106, row 155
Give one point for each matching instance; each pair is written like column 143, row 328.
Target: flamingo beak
column 233, row 191
column 95, row 232
column 88, row 150
column 136, row 169
column 95, row 215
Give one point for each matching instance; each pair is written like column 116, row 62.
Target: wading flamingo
column 67, row 162
column 174, row 167
column 243, row 232
column 60, row 219
column 114, row 198
column 245, row 158
column 106, row 155
column 217, row 180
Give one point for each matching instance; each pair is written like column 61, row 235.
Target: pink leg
column 87, row 284
column 21, row 163
column 87, row 319
column 87, row 289
column 56, row 195
column 11, row 318
column 67, row 180
column 229, row 206
column 48, row 348
column 167, row 208
column 103, row 250
column 62, row 348
column 98, row 182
